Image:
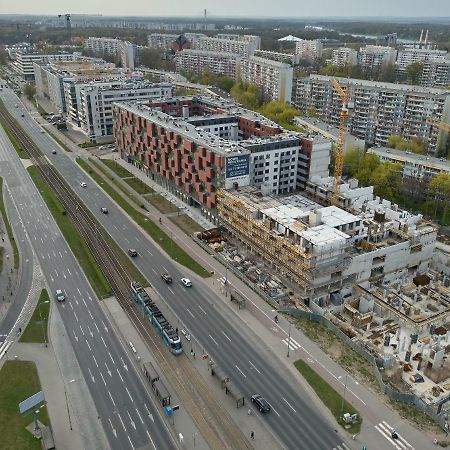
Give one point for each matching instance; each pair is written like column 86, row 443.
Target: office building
column 309, row 50
column 199, row 61
column 272, row 77
column 373, row 58
column 344, row 57
column 196, row 146
column 380, row 109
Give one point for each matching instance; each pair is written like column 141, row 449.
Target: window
column 267, row 171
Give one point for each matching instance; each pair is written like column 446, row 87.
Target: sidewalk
column 7, row 274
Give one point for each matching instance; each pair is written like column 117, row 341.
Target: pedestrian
column 252, row 435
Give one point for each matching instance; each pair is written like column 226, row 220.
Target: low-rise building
column 272, row 77
column 344, row 56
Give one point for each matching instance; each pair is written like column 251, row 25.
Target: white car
column 187, row 282
column 60, row 295
column 83, row 184
column 41, row 131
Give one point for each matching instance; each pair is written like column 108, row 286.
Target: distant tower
column 205, row 20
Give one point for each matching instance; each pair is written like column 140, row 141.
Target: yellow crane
column 339, row 160
column 442, row 125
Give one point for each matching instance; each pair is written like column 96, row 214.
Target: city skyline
column 235, row 8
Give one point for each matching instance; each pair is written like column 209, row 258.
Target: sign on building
column 237, row 170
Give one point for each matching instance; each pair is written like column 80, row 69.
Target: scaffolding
column 275, row 249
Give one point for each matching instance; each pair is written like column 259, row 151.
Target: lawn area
column 138, row 185
column 159, row 236
column 162, row 204
column 19, row 380
column 34, row 332
column 73, row 238
column 60, row 143
column 185, row 223
column 330, row 398
column 8, row 227
column 117, row 168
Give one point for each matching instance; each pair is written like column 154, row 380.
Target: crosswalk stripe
column 291, row 345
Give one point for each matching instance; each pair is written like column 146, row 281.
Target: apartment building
column 195, row 146
column 242, row 47
column 409, row 56
column 23, row 63
column 199, row 61
column 161, row 40
column 274, row 78
column 436, row 73
column 344, row 57
column 126, row 52
column 102, row 45
column 309, row 50
column 96, row 103
column 254, row 40
column 416, row 166
column 288, row 58
column 373, row 58
column 380, row 109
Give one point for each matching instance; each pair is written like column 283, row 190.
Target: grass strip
column 138, row 185
column 60, row 143
column 19, row 380
column 158, row 235
column 162, row 204
column 73, row 238
column 185, row 223
column 8, row 228
column 330, row 398
column 117, row 168
column 37, row 328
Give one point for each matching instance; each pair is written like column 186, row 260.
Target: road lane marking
column 92, row 376
column 95, row 360
column 114, row 403
column 254, row 367
column 151, row 440
column 76, row 317
column 149, row 252
column 201, row 309
column 90, row 331
column 104, row 343
column 111, row 358
column 287, row 403
column 131, row 420
column 87, row 343
column 79, row 292
column 190, row 313
column 75, row 336
column 104, row 326
column 154, row 271
column 82, row 331
column 120, row 376
column 245, row 376
column 142, row 420
column 131, row 443
column 107, row 369
column 274, row 410
column 103, row 378
column 226, row 336
column 129, row 395
column 215, row 342
column 121, row 421
column 68, row 270
column 98, row 331
column 173, row 293
column 91, row 315
column 84, row 302
column 124, row 365
column 113, row 429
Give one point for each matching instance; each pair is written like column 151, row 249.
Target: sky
column 247, row 8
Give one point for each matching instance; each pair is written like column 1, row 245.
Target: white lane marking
column 87, row 343
column 139, row 415
column 82, row 331
column 131, row 420
column 113, row 429
column 124, row 365
column 254, row 367
column 55, row 271
column 387, row 435
column 68, row 270
column 401, row 441
column 154, row 270
column 129, row 395
column 84, row 302
column 173, row 293
column 131, row 443
column 104, row 343
column 95, row 325
column 149, row 252
column 165, row 270
column 90, row 331
column 107, row 369
column 287, row 403
column 121, row 421
column 76, row 317
column 215, row 342
column 120, row 376
column 190, row 313
column 127, row 240
column 79, row 292
column 226, row 336
column 91, row 315
column 104, row 382
column 104, row 326
column 245, row 376
column 114, row 403
column 75, row 336
column 71, row 306
column 95, row 360
column 290, row 344
column 111, row 358
column 151, row 440
column 92, row 376
column 201, row 309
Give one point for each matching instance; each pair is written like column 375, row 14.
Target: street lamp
column 42, row 322
column 226, row 281
column 289, row 332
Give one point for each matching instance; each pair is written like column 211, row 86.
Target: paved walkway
column 7, row 273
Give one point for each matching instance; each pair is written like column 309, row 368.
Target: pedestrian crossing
column 292, row 343
column 341, row 446
column 386, row 430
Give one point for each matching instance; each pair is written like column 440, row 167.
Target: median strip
column 37, row 328
column 8, row 227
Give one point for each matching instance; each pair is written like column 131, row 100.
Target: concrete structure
column 414, row 166
column 390, row 40
column 96, row 103
column 14, row 49
column 315, row 126
column 23, row 64
column 102, row 45
column 380, row 109
column 309, row 50
column 288, row 58
column 373, row 58
column 272, row 77
column 199, row 61
column 344, row 56
column 243, row 46
column 254, row 40
column 195, row 146
column 161, row 40
column 126, row 52
column 436, row 74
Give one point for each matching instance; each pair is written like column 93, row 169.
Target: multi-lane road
column 125, row 408
column 295, row 419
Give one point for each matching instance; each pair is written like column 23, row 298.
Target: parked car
column 261, row 403
column 60, row 297
column 132, row 252
column 83, row 184
column 167, row 278
column 187, row 282
column 104, row 210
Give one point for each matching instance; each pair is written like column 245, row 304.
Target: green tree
column 353, row 160
column 247, row 94
column 281, row 113
column 387, row 180
column 414, row 72
column 415, row 145
column 367, row 167
column 439, row 187
column 387, row 73
column 29, row 90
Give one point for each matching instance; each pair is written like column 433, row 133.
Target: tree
column 29, row 90
column 415, row 145
column 414, row 72
column 439, row 187
column 387, row 180
column 367, row 167
column 247, row 94
column 281, row 113
column 387, row 73
column 353, row 159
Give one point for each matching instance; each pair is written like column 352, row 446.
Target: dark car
column 261, row 403
column 132, row 252
column 104, row 210
column 167, row 278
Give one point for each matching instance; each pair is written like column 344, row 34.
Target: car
column 187, row 282
column 53, row 152
column 41, row 131
column 104, row 210
column 167, row 278
column 83, row 184
column 23, row 114
column 60, row 297
column 132, row 252
column 261, row 403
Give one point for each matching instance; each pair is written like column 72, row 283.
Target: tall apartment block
column 344, row 56
column 254, row 40
column 199, row 61
column 309, row 50
column 288, row 58
column 161, row 40
column 373, row 58
column 196, row 146
column 126, row 52
column 102, row 45
column 380, row 109
column 274, row 78
column 212, row 44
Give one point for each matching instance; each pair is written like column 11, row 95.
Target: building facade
column 161, row 40
column 380, row 109
column 102, row 45
column 309, row 50
column 344, row 56
column 373, row 58
column 288, row 58
column 272, row 77
column 126, row 52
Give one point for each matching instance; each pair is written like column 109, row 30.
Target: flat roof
column 323, row 235
column 335, row 217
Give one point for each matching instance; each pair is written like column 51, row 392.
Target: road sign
column 31, row 404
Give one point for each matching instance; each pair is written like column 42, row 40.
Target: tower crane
column 68, row 25
column 339, row 160
column 442, row 125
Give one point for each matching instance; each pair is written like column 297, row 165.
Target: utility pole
column 289, row 339
column 343, row 398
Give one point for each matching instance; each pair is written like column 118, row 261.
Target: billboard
column 238, row 166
